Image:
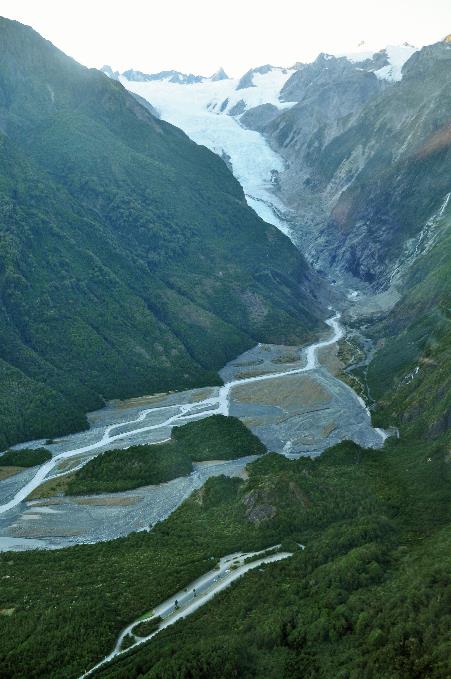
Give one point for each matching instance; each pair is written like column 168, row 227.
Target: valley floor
column 283, row 394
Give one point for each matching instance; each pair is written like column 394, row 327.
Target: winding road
column 218, row 404
column 197, row 594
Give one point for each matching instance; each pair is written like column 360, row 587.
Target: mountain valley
column 242, row 284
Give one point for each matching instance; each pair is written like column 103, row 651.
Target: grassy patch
column 51, row 488
column 6, row 472
column 118, row 470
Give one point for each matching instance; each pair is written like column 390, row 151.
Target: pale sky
column 201, row 35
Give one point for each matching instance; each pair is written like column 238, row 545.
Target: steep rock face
column 368, row 163
column 329, row 71
column 259, row 117
column 410, row 376
column 391, row 168
column 327, row 93
column 129, row 260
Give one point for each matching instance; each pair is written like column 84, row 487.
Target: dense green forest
column 129, row 260
column 215, row 438
column 366, row 597
column 369, row 595
column 27, row 457
column 117, row 470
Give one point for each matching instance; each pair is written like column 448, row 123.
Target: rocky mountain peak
column 432, row 61
column 326, row 71
column 114, row 75
column 247, row 79
column 171, row 76
column 219, row 75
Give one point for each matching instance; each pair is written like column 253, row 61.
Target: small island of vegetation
column 214, row 438
column 26, row 457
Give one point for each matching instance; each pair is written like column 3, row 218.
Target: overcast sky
column 201, row 35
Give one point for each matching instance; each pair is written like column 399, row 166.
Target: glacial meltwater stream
column 154, row 424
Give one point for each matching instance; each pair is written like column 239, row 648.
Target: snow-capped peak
column 387, row 63
column 219, row 75
column 397, row 57
column 168, row 76
column 218, row 94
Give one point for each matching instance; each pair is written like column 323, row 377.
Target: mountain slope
column 210, row 112
column 129, row 261
column 365, row 598
column 298, row 110
column 410, row 376
column 367, row 167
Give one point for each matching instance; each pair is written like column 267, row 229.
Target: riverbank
column 283, row 394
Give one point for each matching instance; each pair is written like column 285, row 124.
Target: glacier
column 199, row 110
column 209, row 112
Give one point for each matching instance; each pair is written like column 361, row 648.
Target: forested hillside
column 410, row 376
column 366, row 597
column 129, row 260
